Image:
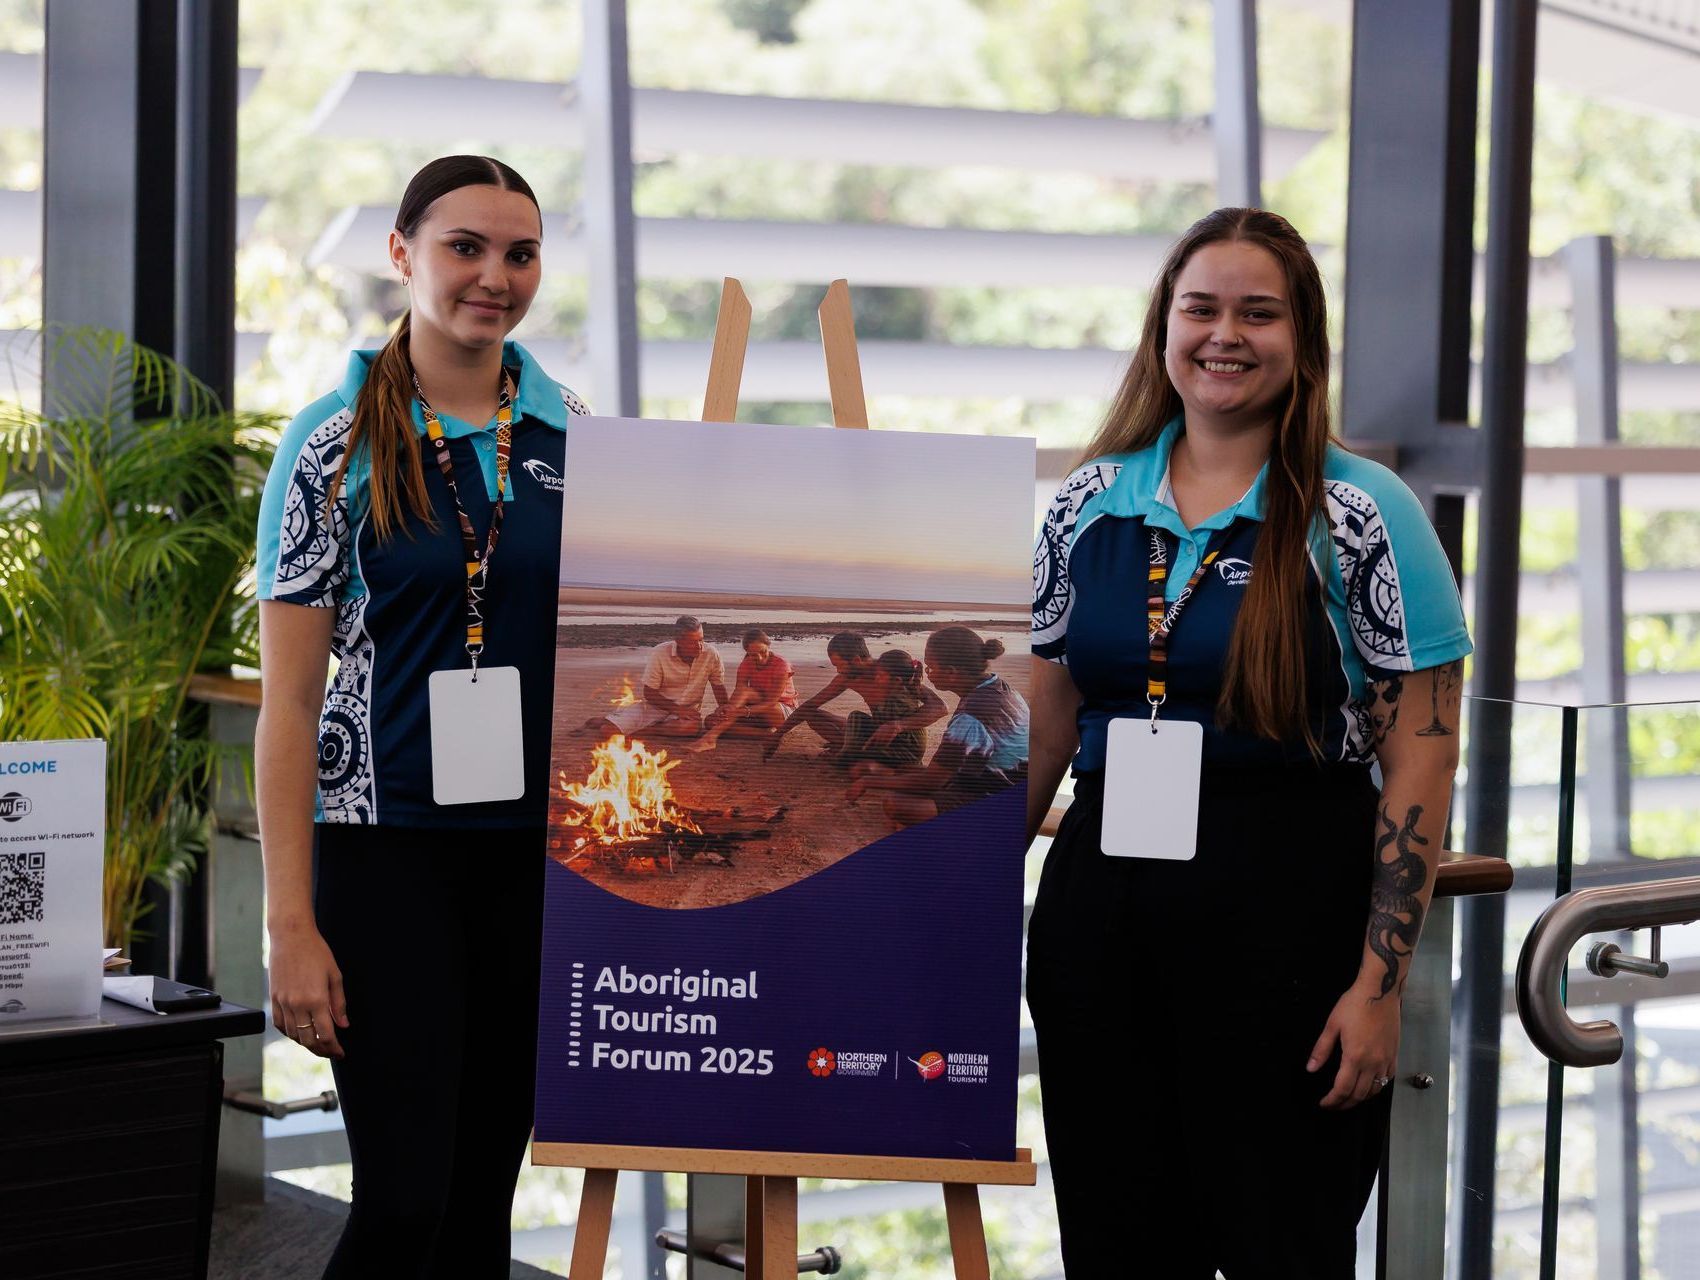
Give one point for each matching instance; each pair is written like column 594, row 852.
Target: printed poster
column 52, row 838
column 784, row 898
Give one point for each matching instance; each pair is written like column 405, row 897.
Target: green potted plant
column 127, row 516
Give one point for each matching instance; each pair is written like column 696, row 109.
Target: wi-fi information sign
column 52, row 837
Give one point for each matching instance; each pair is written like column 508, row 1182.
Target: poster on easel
column 52, row 842
column 788, row 782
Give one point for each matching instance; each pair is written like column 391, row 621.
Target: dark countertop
column 124, row 1028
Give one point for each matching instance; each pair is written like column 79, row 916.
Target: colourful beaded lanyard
column 477, row 564
column 1160, row 618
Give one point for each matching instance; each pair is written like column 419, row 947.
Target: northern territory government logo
column 825, row 1062
column 14, row 806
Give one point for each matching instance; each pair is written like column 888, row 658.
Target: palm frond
column 127, row 517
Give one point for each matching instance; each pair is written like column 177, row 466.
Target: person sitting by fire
column 900, row 706
column 675, row 678
column 762, row 697
column 984, row 748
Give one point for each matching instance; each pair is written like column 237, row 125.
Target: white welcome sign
column 52, row 838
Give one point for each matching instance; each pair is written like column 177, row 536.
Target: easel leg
column 726, row 364
column 754, row 1208
column 967, row 1231
column 595, row 1219
column 778, row 1229
column 843, row 364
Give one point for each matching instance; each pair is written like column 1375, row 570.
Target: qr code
column 23, row 886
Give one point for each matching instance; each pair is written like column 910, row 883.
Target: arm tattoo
column 1384, row 706
column 1394, row 894
column 1445, row 690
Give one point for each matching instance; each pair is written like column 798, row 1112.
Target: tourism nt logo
column 930, row 1065
column 822, row 1062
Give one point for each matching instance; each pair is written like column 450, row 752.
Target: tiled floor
column 288, row 1237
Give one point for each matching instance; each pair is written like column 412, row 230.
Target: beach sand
column 818, row 826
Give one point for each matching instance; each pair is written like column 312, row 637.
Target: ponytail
column 383, row 427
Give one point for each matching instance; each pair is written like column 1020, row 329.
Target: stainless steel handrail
column 1546, row 954
column 826, row 1260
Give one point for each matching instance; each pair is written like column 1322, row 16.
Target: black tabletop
column 124, row 1028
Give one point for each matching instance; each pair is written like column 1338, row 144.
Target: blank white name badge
column 1151, row 788
column 477, row 751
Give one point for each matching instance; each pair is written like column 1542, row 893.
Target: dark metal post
column 1565, row 861
column 1500, row 517
column 204, row 330
column 1410, row 204
column 205, row 338
column 1235, row 121
column 605, row 93
column 1410, row 253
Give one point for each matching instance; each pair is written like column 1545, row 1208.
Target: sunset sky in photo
column 810, row 511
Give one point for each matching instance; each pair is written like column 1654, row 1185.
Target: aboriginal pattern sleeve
column 303, row 545
column 1402, row 606
column 1053, row 591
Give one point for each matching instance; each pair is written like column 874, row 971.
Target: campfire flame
column 627, row 796
column 627, row 696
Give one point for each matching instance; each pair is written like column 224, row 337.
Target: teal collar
column 1142, row 489
column 539, row 395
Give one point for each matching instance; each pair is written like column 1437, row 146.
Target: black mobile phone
column 174, row 997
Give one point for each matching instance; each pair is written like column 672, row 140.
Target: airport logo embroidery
column 1236, row 573
column 544, row 474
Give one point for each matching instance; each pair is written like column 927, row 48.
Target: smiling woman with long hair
column 1218, row 559
column 405, row 932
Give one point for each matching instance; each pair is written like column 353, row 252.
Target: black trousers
column 438, row 936
column 1175, row 1005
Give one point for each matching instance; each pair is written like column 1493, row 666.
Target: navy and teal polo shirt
column 1381, row 594
column 401, row 604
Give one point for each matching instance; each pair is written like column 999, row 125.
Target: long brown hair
column 383, row 408
column 1264, row 690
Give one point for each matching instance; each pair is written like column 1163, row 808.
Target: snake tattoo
column 1395, row 910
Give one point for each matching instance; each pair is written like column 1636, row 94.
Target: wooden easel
column 770, row 1198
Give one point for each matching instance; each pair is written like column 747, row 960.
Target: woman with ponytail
column 1220, row 570
column 404, row 888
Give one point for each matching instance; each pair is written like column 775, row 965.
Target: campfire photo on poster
column 777, row 646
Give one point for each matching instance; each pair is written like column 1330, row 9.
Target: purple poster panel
column 787, row 791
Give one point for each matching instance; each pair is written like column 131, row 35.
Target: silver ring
column 1381, row 1082
column 302, row 1026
